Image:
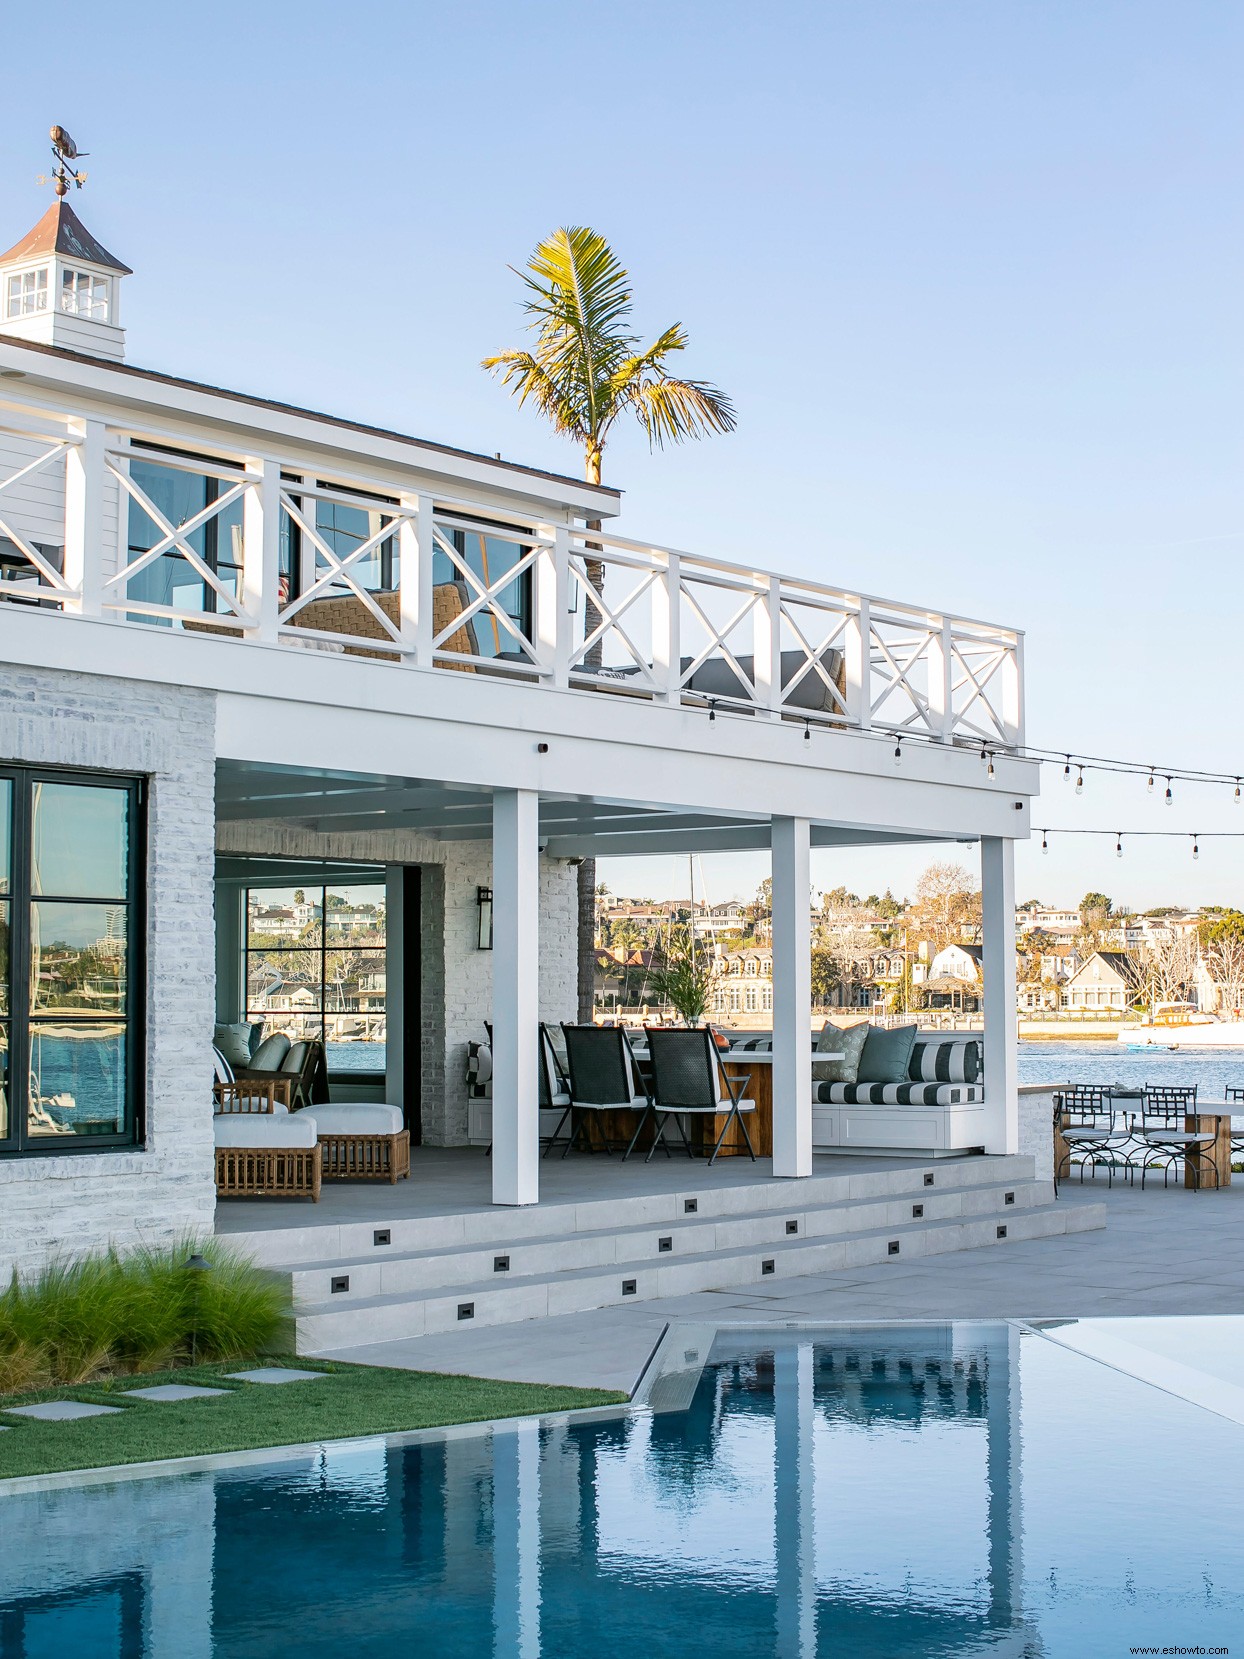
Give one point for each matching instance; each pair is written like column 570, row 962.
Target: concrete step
column 388, row 1271
column 348, row 1320
column 487, row 1226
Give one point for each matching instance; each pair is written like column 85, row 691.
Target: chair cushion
column 887, row 1055
column 224, row 1071
column 297, row 1132
column 358, row 1117
column 899, row 1094
column 270, row 1053
column 848, row 1041
column 479, row 1064
column 234, row 1041
column 951, row 1060
column 296, row 1058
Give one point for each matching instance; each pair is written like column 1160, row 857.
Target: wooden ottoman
column 360, row 1141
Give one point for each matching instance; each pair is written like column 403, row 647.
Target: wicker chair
column 263, row 1150
column 688, row 1079
column 345, row 613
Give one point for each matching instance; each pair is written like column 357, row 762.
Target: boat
column 1176, row 1025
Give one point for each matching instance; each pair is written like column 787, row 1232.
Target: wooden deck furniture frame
column 252, row 1094
column 269, row 1172
column 366, row 1157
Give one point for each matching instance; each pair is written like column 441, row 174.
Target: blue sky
column 971, row 273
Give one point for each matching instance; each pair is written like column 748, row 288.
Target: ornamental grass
column 110, row 1314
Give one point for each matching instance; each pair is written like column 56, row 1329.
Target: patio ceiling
column 570, row 825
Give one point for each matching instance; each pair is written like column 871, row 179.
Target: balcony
column 244, row 527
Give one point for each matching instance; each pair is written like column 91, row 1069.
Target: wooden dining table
column 1218, row 1113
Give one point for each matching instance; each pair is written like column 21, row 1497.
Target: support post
column 1001, row 1037
column 792, row 997
column 767, row 649
column 261, row 550
column 551, row 582
column 515, row 1005
column 858, row 640
column 414, row 580
column 84, row 518
column 794, row 1541
column 667, row 631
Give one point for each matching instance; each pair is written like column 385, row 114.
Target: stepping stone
column 62, row 1411
column 275, row 1374
column 174, row 1391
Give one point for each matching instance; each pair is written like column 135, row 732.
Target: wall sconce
column 483, row 898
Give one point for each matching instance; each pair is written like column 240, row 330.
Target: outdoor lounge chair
column 263, row 1150
column 603, row 1078
column 688, row 1079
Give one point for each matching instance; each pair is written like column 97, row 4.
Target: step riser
column 390, row 1275
column 323, row 1331
column 488, row 1228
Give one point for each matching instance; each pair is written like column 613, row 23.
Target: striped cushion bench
column 899, row 1094
column 945, row 1060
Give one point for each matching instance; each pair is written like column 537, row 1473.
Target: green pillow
column 849, row 1042
column 887, row 1055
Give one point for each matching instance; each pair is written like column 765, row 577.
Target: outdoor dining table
column 1217, row 1112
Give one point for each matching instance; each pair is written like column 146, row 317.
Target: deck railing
column 129, row 526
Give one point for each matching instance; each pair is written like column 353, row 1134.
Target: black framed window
column 180, row 495
column 71, row 967
column 316, row 968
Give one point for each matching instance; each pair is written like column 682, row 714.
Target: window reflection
column 77, row 1079
column 171, row 579
column 80, row 841
column 77, row 958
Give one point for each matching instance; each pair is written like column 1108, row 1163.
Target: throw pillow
column 270, row 1053
column 848, row 1041
column 234, row 1042
column 887, row 1054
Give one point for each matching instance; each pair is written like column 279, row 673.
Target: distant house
column 955, row 978
column 1109, row 980
column 743, row 981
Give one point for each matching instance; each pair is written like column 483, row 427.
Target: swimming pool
column 954, row 1489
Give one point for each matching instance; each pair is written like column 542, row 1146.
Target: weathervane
column 64, row 150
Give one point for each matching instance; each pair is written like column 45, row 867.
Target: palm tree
column 585, row 370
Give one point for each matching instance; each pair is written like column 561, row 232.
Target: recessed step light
column 893, row 1248
column 1008, row 1197
column 381, row 1236
column 501, row 1264
column 917, row 1212
column 690, row 1206
column 466, row 1310
column 928, row 1177
column 665, row 1245
column 629, row 1287
column 1001, row 1232
column 340, row 1283
column 792, row 1227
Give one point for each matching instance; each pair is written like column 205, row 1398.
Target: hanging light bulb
column 984, row 752
column 807, row 731
column 1080, row 781
column 991, row 771
column 1237, row 792
column 1067, row 771
column 712, row 709
column 1170, row 799
column 1118, row 846
column 1149, row 785
column 1045, row 846
column 898, row 752
column 1196, row 850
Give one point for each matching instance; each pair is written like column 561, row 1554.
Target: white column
column 551, row 584
column 261, row 549
column 794, row 1515
column 792, row 998
column 1001, row 1038
column 84, row 517
column 515, row 1004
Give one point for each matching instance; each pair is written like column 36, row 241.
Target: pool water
column 923, row 1490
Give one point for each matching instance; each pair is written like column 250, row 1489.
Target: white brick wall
column 58, row 1205
column 457, row 975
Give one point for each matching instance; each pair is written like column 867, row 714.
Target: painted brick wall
column 49, row 1204
column 457, row 975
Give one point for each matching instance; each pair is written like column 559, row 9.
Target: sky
column 970, row 272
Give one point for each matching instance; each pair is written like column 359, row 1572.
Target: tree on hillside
column 847, row 942
column 1093, row 902
column 1222, row 948
column 1170, row 968
column 586, row 369
column 946, row 909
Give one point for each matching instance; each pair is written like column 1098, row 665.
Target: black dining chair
column 1162, row 1135
column 689, row 1080
column 603, row 1077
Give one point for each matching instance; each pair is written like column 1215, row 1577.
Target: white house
column 1108, row 981
column 248, row 649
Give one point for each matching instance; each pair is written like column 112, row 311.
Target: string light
column 1237, row 792
column 984, row 752
column 1067, row 771
column 1150, row 783
column 712, row 709
column 898, row 752
column 1118, row 846
column 1045, row 846
column 1196, row 850
column 991, row 771
column 1170, row 799
column 1080, row 782
column 807, row 731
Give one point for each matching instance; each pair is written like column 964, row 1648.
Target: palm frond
column 529, row 379
column 672, row 411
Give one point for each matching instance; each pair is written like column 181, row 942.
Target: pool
column 866, row 1490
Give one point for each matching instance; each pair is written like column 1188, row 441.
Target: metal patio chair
column 1163, row 1136
column 1091, row 1131
column 689, row 1080
column 1235, row 1096
column 603, row 1078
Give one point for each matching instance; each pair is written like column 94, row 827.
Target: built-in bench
column 939, row 1109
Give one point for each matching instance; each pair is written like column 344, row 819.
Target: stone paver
column 62, row 1411
column 174, row 1391
column 276, row 1374
column 1171, row 1252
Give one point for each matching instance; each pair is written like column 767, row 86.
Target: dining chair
column 689, row 1080
column 1162, row 1134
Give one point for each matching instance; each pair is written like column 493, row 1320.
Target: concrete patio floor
column 1161, row 1252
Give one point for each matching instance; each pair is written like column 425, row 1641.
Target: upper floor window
column 70, row 994
column 28, row 293
column 84, row 295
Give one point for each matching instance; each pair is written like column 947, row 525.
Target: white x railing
column 129, row 527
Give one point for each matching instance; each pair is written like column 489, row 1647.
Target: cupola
column 58, row 285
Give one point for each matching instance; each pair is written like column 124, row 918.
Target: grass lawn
column 351, row 1400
